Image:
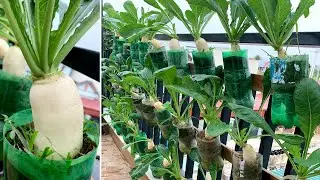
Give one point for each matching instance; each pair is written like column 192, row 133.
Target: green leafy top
column 130, row 25
column 111, row 18
column 206, row 90
column 236, row 26
column 5, row 30
column 43, row 47
column 275, row 18
column 195, row 19
column 169, row 77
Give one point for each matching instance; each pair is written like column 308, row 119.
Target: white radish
column 156, row 44
column 144, row 39
column 202, row 45
column 150, row 145
column 158, row 105
column 14, row 62
column 174, row 44
column 166, row 163
column 4, row 47
column 58, row 115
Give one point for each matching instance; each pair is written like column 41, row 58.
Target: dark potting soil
column 88, row 144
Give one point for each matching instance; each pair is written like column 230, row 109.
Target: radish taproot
column 57, row 109
column 4, row 47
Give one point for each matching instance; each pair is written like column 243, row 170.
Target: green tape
column 159, row 58
column 134, row 52
column 143, row 51
column 126, row 51
column 20, row 165
column 178, row 58
column 120, row 43
column 203, row 62
column 237, row 77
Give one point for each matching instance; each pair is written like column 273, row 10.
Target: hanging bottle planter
column 203, row 62
column 148, row 114
column 209, row 150
column 120, row 42
column 237, row 78
column 178, row 58
column 187, row 133
column 164, row 122
column 134, row 52
column 114, row 44
column 243, row 170
column 143, row 51
column 285, row 73
column 137, row 103
column 22, row 165
column 159, row 57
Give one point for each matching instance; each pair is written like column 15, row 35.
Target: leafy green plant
column 168, row 76
column 235, row 26
column 130, row 25
column 275, row 20
column 145, row 80
column 169, row 166
column 206, row 90
column 307, row 99
column 43, row 47
column 195, row 20
column 169, row 31
column 111, row 18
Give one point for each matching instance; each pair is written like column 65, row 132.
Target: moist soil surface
column 113, row 165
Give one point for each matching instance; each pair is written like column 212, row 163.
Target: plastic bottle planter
column 14, row 93
column 120, row 43
column 143, row 51
column 114, row 45
column 243, row 170
column 14, row 97
column 178, row 58
column 148, row 114
column 137, row 103
column 237, row 77
column 134, row 52
column 187, row 133
column 126, row 51
column 209, row 151
column 159, row 58
column 164, row 122
column 203, row 62
column 285, row 73
column 21, row 165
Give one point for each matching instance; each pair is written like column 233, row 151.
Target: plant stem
column 46, row 39
column 281, row 53
column 235, row 46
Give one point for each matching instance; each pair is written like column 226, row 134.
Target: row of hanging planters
column 206, row 87
column 45, row 135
